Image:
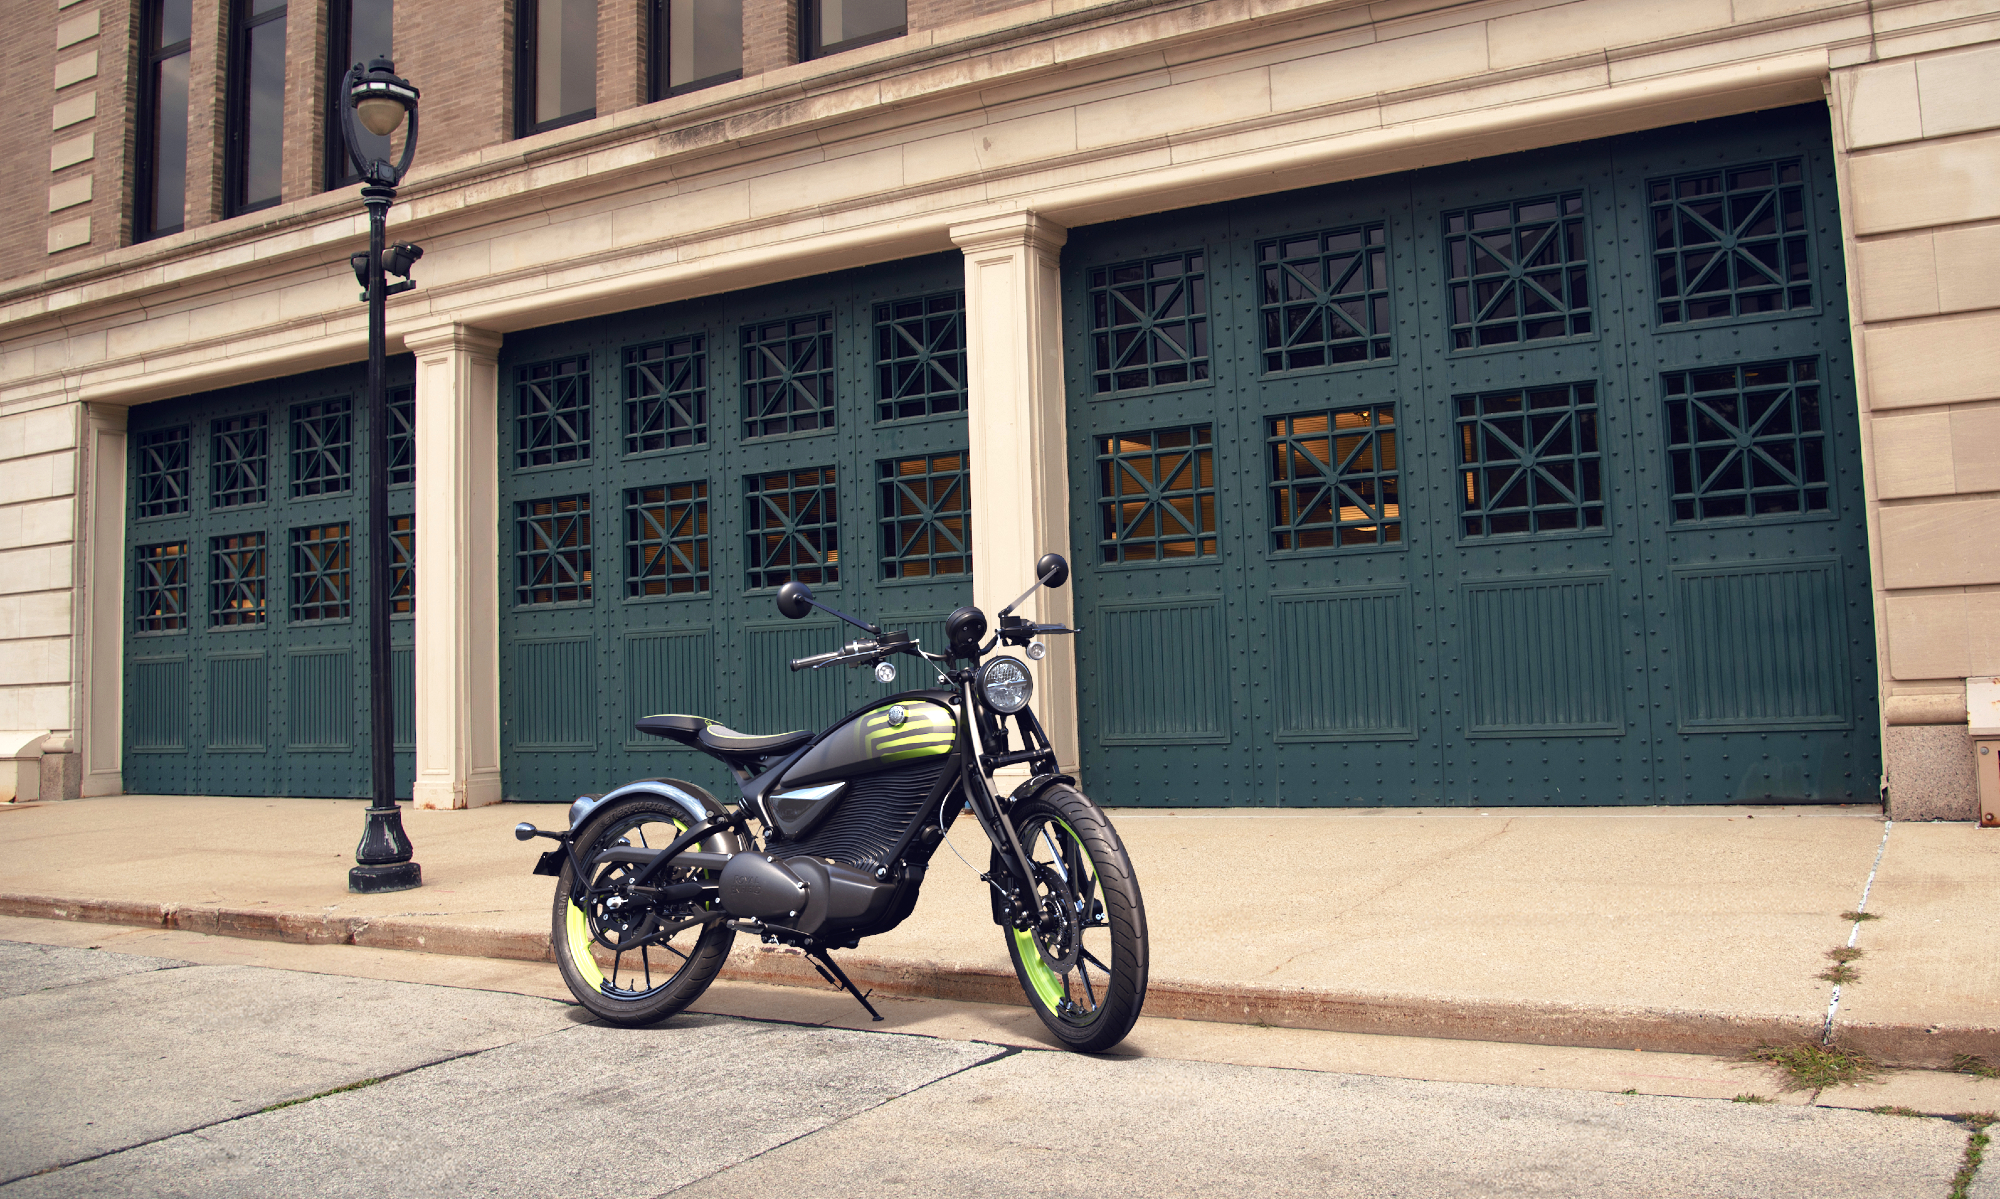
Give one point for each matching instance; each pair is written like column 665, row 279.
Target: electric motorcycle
column 835, row 830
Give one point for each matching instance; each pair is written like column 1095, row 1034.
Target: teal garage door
column 246, row 643
column 1531, row 480
column 663, row 472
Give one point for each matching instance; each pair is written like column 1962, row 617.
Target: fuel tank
column 894, row 732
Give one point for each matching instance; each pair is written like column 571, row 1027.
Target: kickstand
column 822, row 962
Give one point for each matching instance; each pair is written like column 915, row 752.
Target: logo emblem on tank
column 897, row 715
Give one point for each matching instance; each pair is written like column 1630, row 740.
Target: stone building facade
column 1017, row 157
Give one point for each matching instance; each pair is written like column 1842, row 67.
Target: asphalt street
column 127, row 1075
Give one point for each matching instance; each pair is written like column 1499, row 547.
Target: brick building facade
column 1031, row 143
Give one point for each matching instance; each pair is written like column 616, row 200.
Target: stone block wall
column 1921, row 136
column 38, row 522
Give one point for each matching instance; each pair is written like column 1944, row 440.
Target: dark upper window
column 1732, row 242
column 357, row 31
column 920, row 356
column 556, row 71
column 256, row 104
column 696, row 44
column 161, row 195
column 1149, row 323
column 1519, row 271
column 831, row 26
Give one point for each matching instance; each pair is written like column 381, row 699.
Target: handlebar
column 856, row 653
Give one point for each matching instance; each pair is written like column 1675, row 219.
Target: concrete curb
column 1658, row 1030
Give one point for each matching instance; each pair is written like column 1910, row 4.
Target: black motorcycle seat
column 705, row 733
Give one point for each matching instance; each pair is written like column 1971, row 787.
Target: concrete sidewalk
column 1693, row 930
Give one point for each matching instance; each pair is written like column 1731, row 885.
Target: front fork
column 1016, row 884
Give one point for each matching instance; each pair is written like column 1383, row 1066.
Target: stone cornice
column 634, row 222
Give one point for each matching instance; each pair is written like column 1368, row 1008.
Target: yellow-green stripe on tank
column 923, row 733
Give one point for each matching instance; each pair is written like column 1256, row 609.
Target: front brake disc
column 1057, row 937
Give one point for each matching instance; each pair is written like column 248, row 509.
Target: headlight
column 1005, row 684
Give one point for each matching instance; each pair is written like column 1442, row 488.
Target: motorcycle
column 834, row 831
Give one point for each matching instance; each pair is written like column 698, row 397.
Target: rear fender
column 697, row 803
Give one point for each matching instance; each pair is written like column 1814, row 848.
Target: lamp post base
column 396, row 876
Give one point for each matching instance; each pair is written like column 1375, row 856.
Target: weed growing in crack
column 1897, row 1109
column 1840, row 973
column 1975, row 1151
column 1843, row 953
column 1973, row 1064
column 1858, row 917
column 1747, row 1097
column 1807, row 1066
column 352, row 1086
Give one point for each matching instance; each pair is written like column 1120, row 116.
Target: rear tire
column 1084, row 964
column 648, row 983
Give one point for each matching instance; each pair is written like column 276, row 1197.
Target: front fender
column 1026, row 791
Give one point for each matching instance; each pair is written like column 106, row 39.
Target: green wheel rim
column 581, row 938
column 1048, row 985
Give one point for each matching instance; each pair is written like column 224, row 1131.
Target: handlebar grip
column 815, row 660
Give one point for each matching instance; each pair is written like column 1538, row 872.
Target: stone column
column 1018, row 459
column 100, row 564
column 458, row 567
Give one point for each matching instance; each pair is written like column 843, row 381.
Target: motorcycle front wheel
column 609, row 948
column 1084, row 963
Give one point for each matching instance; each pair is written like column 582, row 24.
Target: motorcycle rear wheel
column 647, row 982
column 1084, row 964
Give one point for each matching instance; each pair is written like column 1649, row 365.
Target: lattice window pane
column 322, row 572
column 920, row 356
column 1731, row 242
column 926, row 516
column 1156, row 494
column 788, row 376
column 1746, row 441
column 666, row 395
column 402, row 566
column 239, row 469
column 666, row 539
column 160, row 602
column 162, row 486
column 794, row 522
column 1530, row 461
column 1333, row 478
column 236, row 580
column 1325, row 297
column 1519, row 271
column 322, row 448
column 552, row 551
column 1149, row 323
column 402, row 436
column 552, row 412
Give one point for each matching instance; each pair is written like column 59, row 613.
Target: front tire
column 647, row 982
column 1084, row 963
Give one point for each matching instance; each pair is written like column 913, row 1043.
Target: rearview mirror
column 795, row 599
column 1052, row 570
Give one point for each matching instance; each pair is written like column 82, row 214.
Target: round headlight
column 1006, row 685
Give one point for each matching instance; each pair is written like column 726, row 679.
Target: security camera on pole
column 379, row 99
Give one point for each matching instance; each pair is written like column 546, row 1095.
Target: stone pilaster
column 458, row 603
column 1018, row 459
column 100, row 563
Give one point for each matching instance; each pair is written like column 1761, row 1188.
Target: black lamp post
column 380, row 99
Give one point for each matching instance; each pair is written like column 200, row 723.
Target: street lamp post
column 380, row 100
